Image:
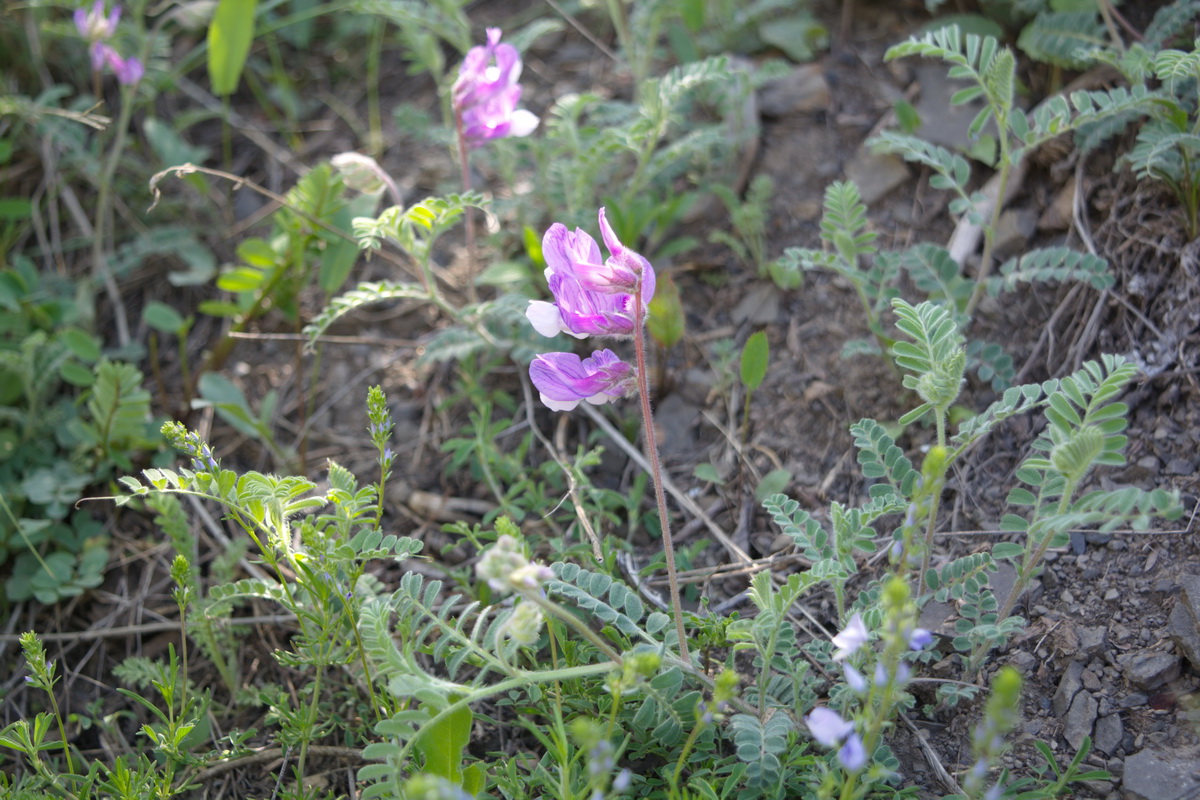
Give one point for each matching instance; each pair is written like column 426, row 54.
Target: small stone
column 760, row 306
column 943, row 122
column 1112, row 594
column 1014, row 230
column 1090, row 681
column 1093, row 640
column 1080, row 718
column 1003, row 581
column 1058, row 215
column 1024, row 661
column 1134, row 700
column 1149, row 670
column 1068, row 687
column 1181, row 466
column 1067, row 597
column 876, row 175
column 1151, row 775
column 804, row 89
column 1183, row 630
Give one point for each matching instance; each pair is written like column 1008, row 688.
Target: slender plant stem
column 312, row 720
column 374, row 118
column 989, row 232
column 100, row 228
column 464, row 164
column 572, row 621
column 639, row 340
column 927, row 549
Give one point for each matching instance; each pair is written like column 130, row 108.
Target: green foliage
column 755, row 355
column 759, row 746
column 666, row 320
column 1052, row 264
column 748, row 216
column 722, row 26
column 936, row 358
column 68, row 418
column 1064, row 38
column 848, row 241
column 645, row 159
column 230, row 35
column 424, row 29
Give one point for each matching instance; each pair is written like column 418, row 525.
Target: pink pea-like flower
column 564, row 379
column 95, row 25
column 128, row 70
column 591, row 297
column 486, row 93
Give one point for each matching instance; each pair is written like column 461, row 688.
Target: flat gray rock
column 804, row 89
column 1080, row 719
column 1184, row 623
column 876, row 175
column 1148, row 669
column 1151, row 775
column 1109, row 732
column 760, row 306
column 1069, row 686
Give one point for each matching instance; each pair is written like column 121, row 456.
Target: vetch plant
column 601, row 299
column 485, row 98
column 97, row 27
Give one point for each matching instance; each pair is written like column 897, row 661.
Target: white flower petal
column 522, row 123
column 544, row 317
column 559, row 405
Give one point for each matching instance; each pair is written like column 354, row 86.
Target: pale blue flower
column 853, row 756
column 853, row 637
column 827, row 726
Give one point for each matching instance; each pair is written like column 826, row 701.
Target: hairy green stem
column 1029, row 565
column 572, row 621
column 374, row 117
column 464, row 165
column 639, row 339
column 101, row 269
column 989, row 231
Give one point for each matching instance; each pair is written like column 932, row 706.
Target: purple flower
column 97, row 27
column 853, row 637
column 853, row 755
column 827, row 726
column 622, row 781
column 563, row 379
column 591, row 298
column 94, row 25
column 486, row 93
column 625, row 267
column 855, row 679
column 919, row 639
column 128, row 70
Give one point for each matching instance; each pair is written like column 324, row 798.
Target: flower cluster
column 190, row 444
column 828, row 728
column 591, row 298
column 506, row 568
column 825, row 724
column 486, row 93
column 98, row 27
